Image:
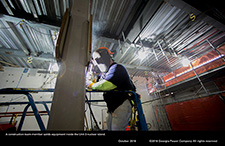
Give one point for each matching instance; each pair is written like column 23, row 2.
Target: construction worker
column 114, row 77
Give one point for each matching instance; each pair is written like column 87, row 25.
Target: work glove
column 90, row 85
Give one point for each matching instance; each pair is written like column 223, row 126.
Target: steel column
column 67, row 110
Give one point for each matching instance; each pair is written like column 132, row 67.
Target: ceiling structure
column 149, row 37
column 29, row 31
column 158, row 37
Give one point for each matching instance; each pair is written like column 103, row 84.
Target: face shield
column 101, row 59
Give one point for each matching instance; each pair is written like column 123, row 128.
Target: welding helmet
column 101, row 58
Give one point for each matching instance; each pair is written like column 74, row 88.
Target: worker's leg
column 120, row 117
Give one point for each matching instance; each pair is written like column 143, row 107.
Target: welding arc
column 92, row 112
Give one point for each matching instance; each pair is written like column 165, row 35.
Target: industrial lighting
column 185, row 62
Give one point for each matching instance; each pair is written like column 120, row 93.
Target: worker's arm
column 103, row 85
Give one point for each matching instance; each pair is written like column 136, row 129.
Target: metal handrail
column 140, row 116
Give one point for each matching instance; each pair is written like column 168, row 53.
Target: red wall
column 206, row 113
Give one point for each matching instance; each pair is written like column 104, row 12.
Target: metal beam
column 19, row 53
column 136, row 67
column 145, row 16
column 120, row 55
column 15, row 20
column 67, row 110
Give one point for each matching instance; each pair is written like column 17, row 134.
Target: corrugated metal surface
column 30, row 41
column 39, row 10
column 179, row 31
column 24, row 38
column 110, row 16
column 178, row 34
